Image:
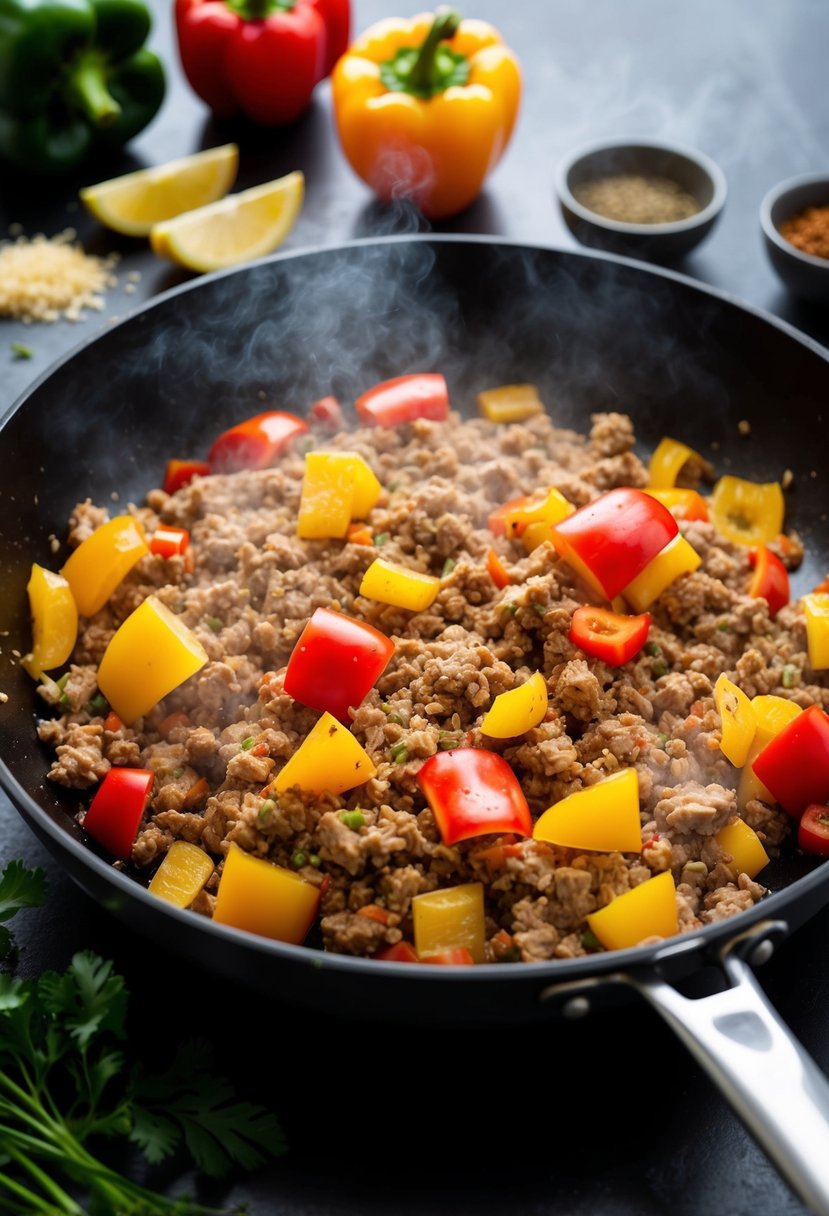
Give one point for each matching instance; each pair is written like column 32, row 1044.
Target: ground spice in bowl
column 808, row 231
column 632, row 198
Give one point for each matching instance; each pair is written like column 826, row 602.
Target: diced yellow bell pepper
column 54, row 621
column 182, row 874
column 691, row 504
column 103, row 560
column 816, row 608
column 534, row 521
column 510, row 403
column 677, row 558
column 666, row 463
column 150, row 655
column 648, row 910
column 603, row 817
column 337, row 487
column 747, row 512
column 517, row 711
column 391, row 584
column 738, row 721
column 771, row 714
column 256, row 895
column 744, row 847
column 328, row 759
column 450, row 919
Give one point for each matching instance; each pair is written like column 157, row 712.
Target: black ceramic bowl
column 657, row 242
column 805, row 275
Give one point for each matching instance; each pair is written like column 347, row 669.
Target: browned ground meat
column 253, row 584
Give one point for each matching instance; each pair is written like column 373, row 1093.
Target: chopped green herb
column 653, row 649
column 178, row 772
column 590, row 941
column 247, row 744
column 298, row 859
column 399, row 753
column 21, row 351
column 381, row 538
column 658, row 669
column 353, row 819
column 539, row 608
column 392, row 717
column 446, row 741
column 61, row 683
column 448, row 567
column 392, row 486
column 663, row 738
column 724, row 627
column 214, row 623
column 790, row 674
column 510, row 608
column 265, row 809
column 98, row 706
column 315, row 860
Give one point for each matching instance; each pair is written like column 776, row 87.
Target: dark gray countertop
column 746, row 83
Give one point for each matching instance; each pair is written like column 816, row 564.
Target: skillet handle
column 767, row 1076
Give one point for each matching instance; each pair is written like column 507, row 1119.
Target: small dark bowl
column 668, row 242
column 803, row 273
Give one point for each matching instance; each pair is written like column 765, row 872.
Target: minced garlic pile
column 43, row 279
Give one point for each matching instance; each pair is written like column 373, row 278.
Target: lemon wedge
column 236, row 229
column 135, row 201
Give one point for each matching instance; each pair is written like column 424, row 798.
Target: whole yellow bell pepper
column 54, row 621
column 425, row 108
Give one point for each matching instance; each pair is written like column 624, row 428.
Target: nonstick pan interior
column 592, row 331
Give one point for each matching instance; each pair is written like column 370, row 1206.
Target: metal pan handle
column 770, row 1080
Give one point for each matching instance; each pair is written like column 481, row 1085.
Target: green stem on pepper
column 87, row 86
column 432, row 67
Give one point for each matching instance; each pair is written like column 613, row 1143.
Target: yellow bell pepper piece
column 337, row 487
column 747, row 512
column 182, row 874
column 667, row 461
column 260, row 897
column 648, row 910
column 690, row 502
column 510, row 403
column 391, row 584
column 771, row 714
column 517, row 711
column 150, row 655
column 103, row 560
column 534, row 521
column 744, row 846
column 603, row 817
column 677, row 558
column 54, row 621
column 816, row 608
column 450, row 919
column 738, row 721
column 328, row 759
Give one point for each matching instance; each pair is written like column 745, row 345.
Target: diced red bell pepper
column 327, row 413
column 459, row 956
column 611, row 540
column 813, row 829
column 403, row 399
column 256, row 442
column 167, row 541
column 115, row 812
column 610, row 636
column 402, row 952
column 473, row 792
column 335, row 662
column 771, row 579
column 794, row 766
column 496, row 521
column 497, row 570
column 180, row 473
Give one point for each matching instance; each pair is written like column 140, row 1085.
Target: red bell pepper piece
column 794, row 766
column 611, row 540
column 610, row 636
column 256, row 442
column 458, row 956
column 327, row 413
column 813, row 829
column 335, row 662
column 261, row 58
column 180, row 473
column 404, row 399
column 496, row 521
column 167, row 541
column 115, row 812
column 497, row 570
column 473, row 792
column 771, row 579
column 402, row 952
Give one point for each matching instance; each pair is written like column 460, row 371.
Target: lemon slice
column 134, row 202
column 236, row 229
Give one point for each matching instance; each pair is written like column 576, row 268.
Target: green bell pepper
column 75, row 78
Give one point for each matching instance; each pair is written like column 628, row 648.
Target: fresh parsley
column 65, row 1081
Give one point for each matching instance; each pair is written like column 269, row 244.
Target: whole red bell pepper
column 260, row 58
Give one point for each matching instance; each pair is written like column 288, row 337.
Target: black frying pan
column 595, row 333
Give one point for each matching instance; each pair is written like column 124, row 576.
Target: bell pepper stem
column 87, row 87
column 423, row 73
